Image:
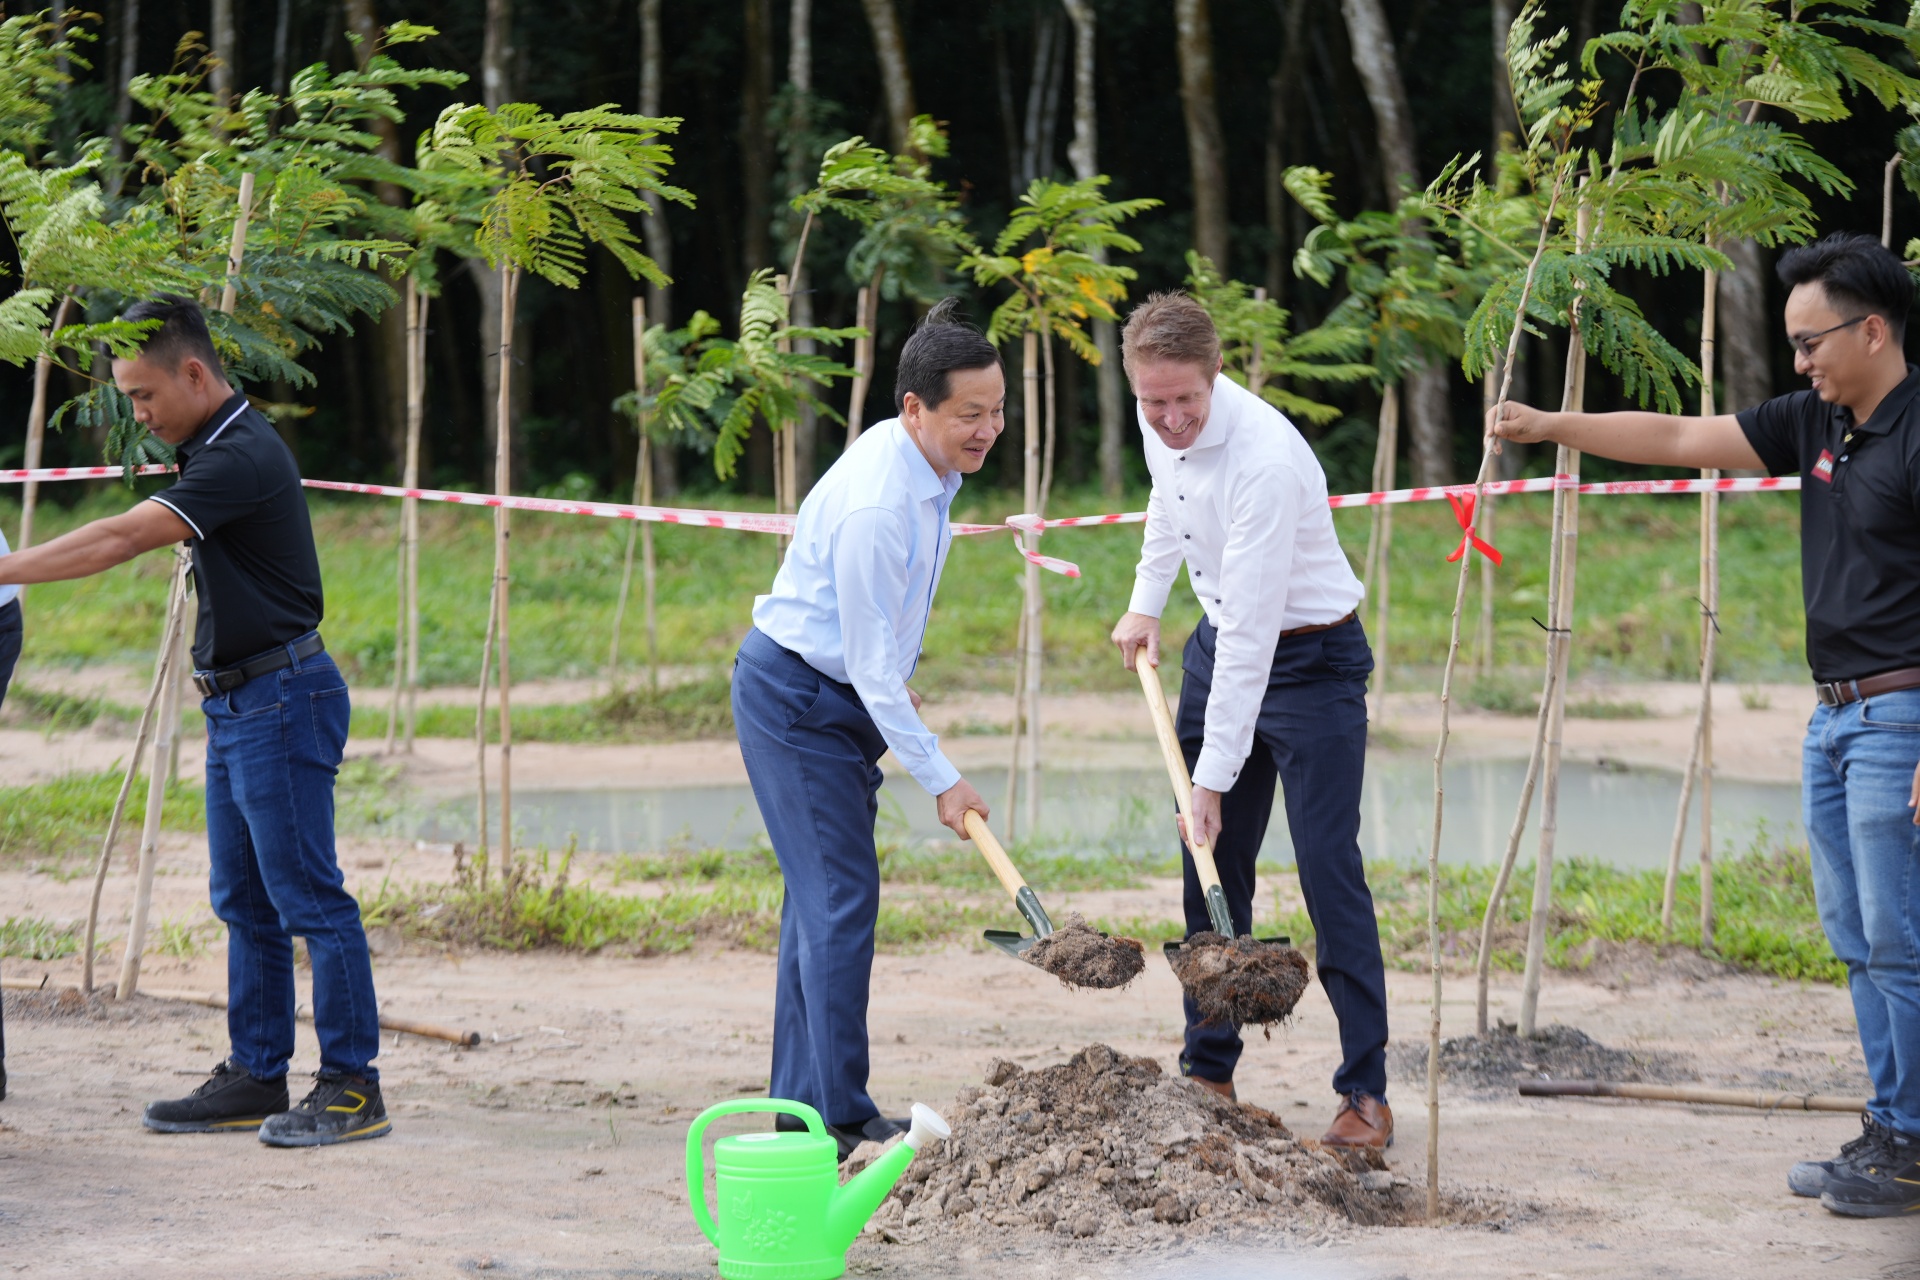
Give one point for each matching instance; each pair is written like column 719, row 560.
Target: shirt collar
column 1889, row 410
column 927, row 483
column 1221, row 414
column 210, row 430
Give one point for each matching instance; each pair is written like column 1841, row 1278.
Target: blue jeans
column 1310, row 738
column 273, row 747
column 1858, row 767
column 11, row 631
column 813, row 753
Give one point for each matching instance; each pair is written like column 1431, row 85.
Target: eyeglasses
column 1804, row 346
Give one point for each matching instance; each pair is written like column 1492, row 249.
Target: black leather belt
column 211, row 683
column 1838, row 693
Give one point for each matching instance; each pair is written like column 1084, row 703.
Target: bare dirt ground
column 555, row 1148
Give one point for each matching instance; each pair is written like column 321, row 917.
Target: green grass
column 67, row 816
column 1636, row 616
column 55, row 712
column 30, row 939
column 699, row 709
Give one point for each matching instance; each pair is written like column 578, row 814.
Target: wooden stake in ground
column 37, row 431
column 480, row 732
column 176, row 612
column 406, row 646
column 1446, row 711
column 167, row 724
column 1027, row 710
column 639, row 530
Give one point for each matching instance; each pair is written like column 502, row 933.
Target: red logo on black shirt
column 1823, row 469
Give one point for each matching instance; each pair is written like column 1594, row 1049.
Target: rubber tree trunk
column 1505, row 120
column 806, row 431
column 496, row 88
column 226, row 53
column 37, row 430
column 756, row 138
column 502, row 533
column 896, row 74
column 406, row 646
column 129, row 37
column 638, row 530
column 1745, row 329
column 1083, row 153
column 865, row 305
column 1206, row 144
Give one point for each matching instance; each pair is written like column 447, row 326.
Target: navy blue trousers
column 813, row 756
column 1311, row 738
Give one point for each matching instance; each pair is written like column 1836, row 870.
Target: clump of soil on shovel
column 1241, row 980
column 1081, row 956
column 1108, row 1148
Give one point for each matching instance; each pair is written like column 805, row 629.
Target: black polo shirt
column 254, row 564
column 1859, row 524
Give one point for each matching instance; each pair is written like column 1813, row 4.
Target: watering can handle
column 696, row 1150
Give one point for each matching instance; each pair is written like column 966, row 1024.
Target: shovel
column 1176, row 763
column 1024, row 898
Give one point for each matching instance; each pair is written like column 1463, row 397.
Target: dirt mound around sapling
column 1241, row 980
column 1109, row 1148
column 1492, row 1064
column 59, row 1004
column 1081, row 956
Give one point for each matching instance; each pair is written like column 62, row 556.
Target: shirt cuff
column 1216, row 770
column 936, row 774
column 1149, row 597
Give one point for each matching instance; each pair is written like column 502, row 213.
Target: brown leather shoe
column 1362, row 1121
column 1222, row 1087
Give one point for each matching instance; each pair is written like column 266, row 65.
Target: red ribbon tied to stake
column 1463, row 512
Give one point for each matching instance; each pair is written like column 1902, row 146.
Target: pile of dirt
column 1492, row 1064
column 1241, row 980
column 1081, row 956
column 1109, row 1148
column 59, row 1004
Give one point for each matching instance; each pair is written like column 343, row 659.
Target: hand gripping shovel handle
column 1183, row 792
column 1023, row 897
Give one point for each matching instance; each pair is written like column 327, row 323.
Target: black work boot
column 1883, row 1184
column 1809, row 1177
column 231, row 1101
column 340, row 1108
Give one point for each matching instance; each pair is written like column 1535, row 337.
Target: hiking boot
column 340, row 1108
column 847, row 1136
column 1362, row 1121
column 1883, row 1183
column 1224, row 1088
column 231, row 1101
column 1809, row 1177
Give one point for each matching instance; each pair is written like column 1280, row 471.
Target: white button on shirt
column 1245, row 508
column 853, row 595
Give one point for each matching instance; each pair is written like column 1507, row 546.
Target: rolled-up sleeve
column 1159, row 561
column 869, row 555
column 1265, row 507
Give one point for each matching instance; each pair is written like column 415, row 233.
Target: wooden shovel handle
column 1176, row 765
column 996, row 857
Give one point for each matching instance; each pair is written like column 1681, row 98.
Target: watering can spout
column 853, row 1204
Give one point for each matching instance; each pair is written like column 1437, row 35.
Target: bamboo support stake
column 639, row 530
column 1379, row 567
column 480, row 732
column 1446, row 707
column 412, row 1027
column 1694, row 1094
column 237, row 247
column 166, row 725
column 1012, row 826
column 176, row 602
column 1031, row 428
column 406, row 647
column 503, row 532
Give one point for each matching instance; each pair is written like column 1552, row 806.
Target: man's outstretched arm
column 96, row 547
column 1656, row 439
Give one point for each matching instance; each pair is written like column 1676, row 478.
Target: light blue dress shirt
column 7, row 594
column 853, row 594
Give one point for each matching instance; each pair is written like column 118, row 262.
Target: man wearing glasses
column 1854, row 439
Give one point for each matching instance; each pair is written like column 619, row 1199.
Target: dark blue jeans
column 1858, row 766
column 812, row 753
column 1311, row 737
column 273, row 747
column 11, row 631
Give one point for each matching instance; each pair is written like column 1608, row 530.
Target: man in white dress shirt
column 1275, row 678
column 820, row 693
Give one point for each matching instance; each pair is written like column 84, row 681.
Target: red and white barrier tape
column 760, row 522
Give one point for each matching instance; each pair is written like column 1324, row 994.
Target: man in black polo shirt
column 276, row 711
column 1854, row 440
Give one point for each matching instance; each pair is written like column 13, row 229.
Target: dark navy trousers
column 813, row 756
column 1311, row 737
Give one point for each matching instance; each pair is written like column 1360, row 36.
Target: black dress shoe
column 231, row 1101
column 847, row 1136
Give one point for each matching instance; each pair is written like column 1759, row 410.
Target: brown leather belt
column 1838, row 693
column 1341, row 622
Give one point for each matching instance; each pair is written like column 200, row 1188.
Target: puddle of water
column 1621, row 818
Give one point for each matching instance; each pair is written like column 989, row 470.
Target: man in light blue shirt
column 820, row 694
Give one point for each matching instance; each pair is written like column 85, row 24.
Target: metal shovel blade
column 1014, row 944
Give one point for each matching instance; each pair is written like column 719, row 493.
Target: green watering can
column 783, row 1213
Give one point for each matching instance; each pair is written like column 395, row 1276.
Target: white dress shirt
column 1245, row 507
column 8, row 594
column 853, row 594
